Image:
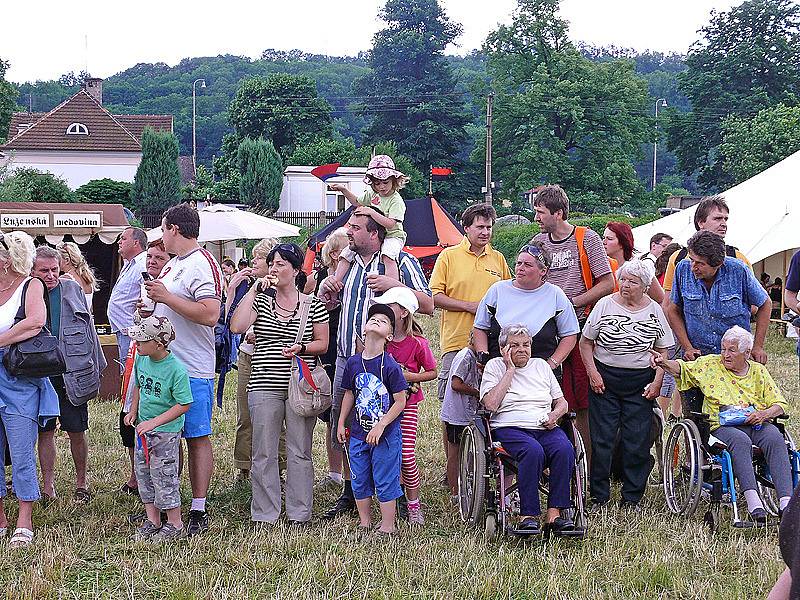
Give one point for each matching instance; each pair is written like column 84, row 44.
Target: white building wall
column 302, row 192
column 77, row 168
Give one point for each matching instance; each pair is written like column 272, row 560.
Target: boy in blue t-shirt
column 375, row 386
column 161, row 397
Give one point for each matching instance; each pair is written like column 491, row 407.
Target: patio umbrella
column 219, row 223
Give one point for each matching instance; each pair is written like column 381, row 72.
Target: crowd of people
column 582, row 324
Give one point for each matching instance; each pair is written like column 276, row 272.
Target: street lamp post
column 659, row 102
column 202, row 83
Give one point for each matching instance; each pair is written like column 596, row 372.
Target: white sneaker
column 415, row 515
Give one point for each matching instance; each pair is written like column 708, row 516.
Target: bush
column 508, row 239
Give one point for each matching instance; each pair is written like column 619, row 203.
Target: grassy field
column 87, row 552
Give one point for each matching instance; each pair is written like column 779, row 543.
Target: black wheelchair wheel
column 580, row 482
column 472, row 476
column 682, row 468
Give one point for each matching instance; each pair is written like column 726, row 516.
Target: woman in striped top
column 272, row 306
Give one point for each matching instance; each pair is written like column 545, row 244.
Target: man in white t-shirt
column 189, row 293
column 526, row 403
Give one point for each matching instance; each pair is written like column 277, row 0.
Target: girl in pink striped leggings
column 412, row 351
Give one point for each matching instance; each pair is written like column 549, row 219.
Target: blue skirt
column 31, row 397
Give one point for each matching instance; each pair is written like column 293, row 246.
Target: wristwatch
column 483, row 358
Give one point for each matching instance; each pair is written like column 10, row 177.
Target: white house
column 302, row 192
column 79, row 140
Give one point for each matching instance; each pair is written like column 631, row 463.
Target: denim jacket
column 80, row 345
column 709, row 313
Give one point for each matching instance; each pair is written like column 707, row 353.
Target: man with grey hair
column 70, row 320
column 526, row 402
column 127, row 289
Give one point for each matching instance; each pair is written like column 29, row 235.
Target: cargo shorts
column 157, row 469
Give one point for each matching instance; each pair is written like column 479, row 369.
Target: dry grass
column 82, row 552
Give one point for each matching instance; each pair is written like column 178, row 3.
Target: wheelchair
column 696, row 465
column 483, row 480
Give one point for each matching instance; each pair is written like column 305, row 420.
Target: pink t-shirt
column 413, row 354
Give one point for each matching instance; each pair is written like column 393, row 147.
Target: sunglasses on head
column 535, row 252
column 288, row 248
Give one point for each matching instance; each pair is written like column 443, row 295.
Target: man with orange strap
column 580, row 267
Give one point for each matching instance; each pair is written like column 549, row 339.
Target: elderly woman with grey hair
column 615, row 346
column 526, row 402
column 740, row 397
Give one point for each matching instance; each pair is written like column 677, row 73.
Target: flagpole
column 430, row 180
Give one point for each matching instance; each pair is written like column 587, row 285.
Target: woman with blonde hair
column 238, row 286
column 25, row 402
column 74, row 266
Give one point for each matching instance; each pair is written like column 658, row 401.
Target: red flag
column 305, row 373
column 440, row 172
column 142, row 441
column 325, row 172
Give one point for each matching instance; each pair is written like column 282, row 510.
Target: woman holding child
column 273, row 306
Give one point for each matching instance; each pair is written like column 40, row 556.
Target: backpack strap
column 586, row 269
column 21, row 311
column 305, row 307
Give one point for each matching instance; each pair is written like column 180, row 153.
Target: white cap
column 399, row 295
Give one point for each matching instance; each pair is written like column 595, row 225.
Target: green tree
column 751, row 145
column 30, row 185
column 561, row 118
column 261, row 171
column 409, row 92
column 748, row 60
column 201, row 187
column 8, row 100
column 157, row 184
column 105, row 191
column 283, row 108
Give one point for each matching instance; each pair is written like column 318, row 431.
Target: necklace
column 8, row 287
column 285, row 312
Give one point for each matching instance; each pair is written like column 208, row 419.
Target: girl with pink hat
column 384, row 204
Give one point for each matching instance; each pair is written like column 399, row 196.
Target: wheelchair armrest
column 782, row 417
column 570, row 416
column 700, row 416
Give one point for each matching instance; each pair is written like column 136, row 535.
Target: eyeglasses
column 537, row 253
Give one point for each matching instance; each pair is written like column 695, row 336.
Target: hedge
column 508, row 239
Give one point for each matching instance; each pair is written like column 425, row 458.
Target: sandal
column 22, row 537
column 82, row 496
column 126, row 489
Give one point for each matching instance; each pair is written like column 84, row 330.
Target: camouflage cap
column 153, row 328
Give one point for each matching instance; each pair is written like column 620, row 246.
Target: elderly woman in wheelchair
column 740, row 406
column 526, row 403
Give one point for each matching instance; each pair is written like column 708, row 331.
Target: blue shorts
column 377, row 468
column 198, row 417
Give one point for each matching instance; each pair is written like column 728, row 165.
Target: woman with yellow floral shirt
column 731, row 381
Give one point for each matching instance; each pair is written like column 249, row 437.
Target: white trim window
column 77, row 129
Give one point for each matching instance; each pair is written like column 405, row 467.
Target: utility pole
column 488, row 194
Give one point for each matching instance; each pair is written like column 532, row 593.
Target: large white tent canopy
column 764, row 218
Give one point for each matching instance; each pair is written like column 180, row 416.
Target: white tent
column 764, row 219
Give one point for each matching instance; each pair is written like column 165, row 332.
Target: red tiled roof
column 107, row 132
column 22, row 118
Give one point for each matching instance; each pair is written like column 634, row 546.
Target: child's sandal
column 22, row 537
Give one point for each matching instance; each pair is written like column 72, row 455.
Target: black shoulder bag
column 38, row 356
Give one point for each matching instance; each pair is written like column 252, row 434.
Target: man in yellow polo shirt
column 710, row 215
column 460, row 279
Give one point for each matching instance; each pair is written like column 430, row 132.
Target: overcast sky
column 48, row 38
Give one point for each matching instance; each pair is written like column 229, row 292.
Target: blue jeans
column 21, row 433
column 198, row 417
column 377, row 468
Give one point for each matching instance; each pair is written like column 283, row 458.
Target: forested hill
column 161, row 89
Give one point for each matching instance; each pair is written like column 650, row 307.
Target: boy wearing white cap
column 161, row 398
column 413, row 353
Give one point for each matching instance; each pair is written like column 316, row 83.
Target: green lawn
column 86, row 551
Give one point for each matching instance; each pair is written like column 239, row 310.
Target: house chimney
column 94, row 85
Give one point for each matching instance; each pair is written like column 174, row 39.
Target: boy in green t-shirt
column 161, row 397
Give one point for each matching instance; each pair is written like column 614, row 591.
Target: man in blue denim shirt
column 711, row 294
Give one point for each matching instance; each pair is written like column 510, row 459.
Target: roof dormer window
column 77, row 129
column 23, row 127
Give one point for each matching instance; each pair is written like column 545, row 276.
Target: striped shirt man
column 356, row 296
